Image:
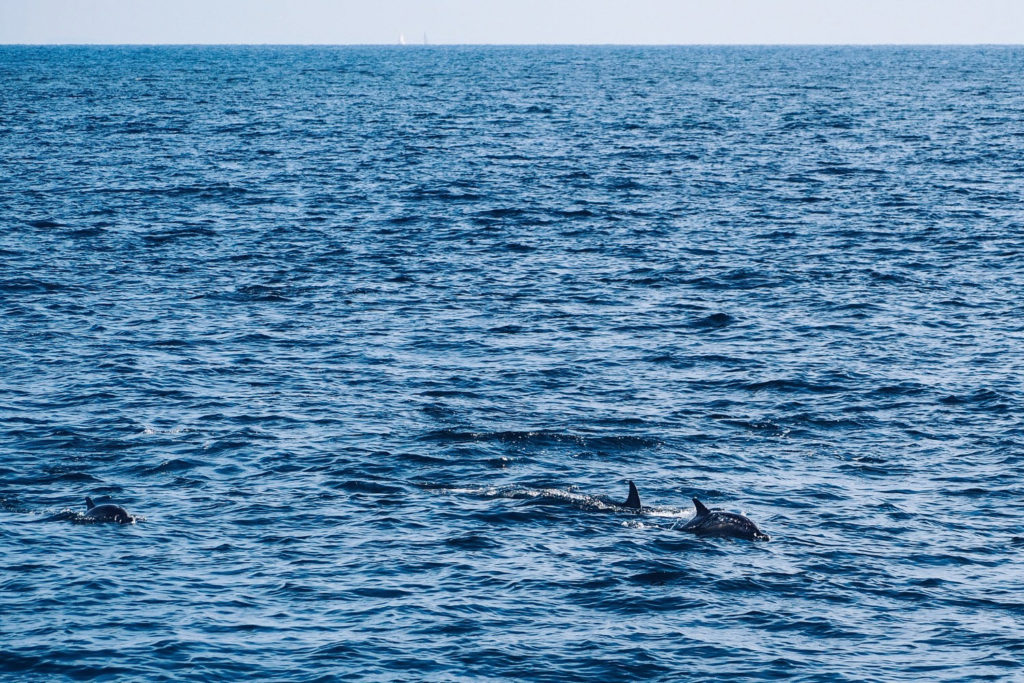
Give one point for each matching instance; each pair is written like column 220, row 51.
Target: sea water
column 368, row 338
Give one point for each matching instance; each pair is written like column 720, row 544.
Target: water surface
column 364, row 333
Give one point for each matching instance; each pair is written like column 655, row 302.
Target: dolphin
column 107, row 512
column 717, row 522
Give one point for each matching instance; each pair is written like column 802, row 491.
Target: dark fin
column 634, row 497
column 701, row 510
column 89, row 505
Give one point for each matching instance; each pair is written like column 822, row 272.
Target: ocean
column 370, row 338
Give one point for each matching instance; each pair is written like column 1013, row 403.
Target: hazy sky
column 512, row 21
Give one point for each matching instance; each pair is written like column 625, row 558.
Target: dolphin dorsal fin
column 701, row 510
column 89, row 505
column 633, row 501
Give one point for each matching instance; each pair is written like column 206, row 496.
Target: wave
column 541, row 438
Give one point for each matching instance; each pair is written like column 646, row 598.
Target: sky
column 669, row 22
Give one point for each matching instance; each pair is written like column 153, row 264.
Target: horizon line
column 420, row 45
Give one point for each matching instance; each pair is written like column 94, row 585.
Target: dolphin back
column 723, row 524
column 108, row 512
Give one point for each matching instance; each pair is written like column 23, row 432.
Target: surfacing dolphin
column 718, row 522
column 714, row 522
column 108, row 512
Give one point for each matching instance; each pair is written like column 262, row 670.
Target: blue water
column 367, row 338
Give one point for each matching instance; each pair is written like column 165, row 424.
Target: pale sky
column 513, row 21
